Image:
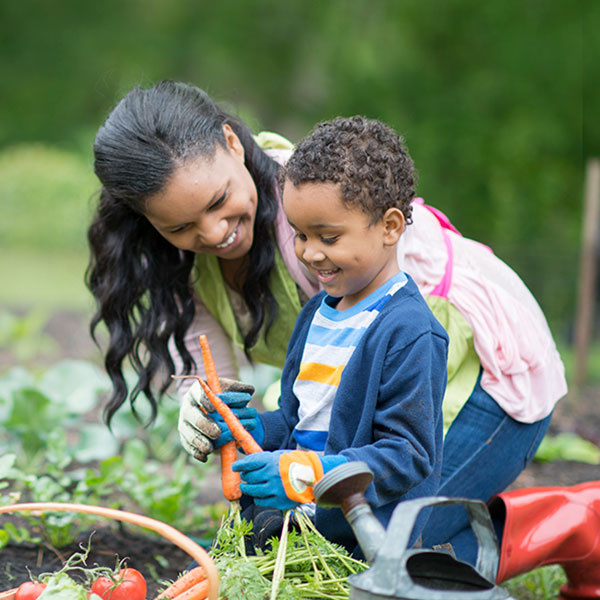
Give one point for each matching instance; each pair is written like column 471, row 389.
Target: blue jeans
column 484, row 452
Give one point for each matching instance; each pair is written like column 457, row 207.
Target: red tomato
column 29, row 590
column 129, row 584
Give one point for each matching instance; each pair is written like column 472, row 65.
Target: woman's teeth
column 228, row 241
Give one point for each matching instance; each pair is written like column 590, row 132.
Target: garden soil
column 159, row 560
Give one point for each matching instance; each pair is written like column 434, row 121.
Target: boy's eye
column 329, row 240
column 300, row 236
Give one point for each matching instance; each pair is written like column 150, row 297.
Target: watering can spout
column 343, row 487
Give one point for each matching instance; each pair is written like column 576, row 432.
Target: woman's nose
column 212, row 231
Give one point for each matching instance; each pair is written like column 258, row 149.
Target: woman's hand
column 201, row 431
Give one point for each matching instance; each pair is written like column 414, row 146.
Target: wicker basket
column 170, row 533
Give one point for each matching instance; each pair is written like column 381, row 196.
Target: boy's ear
column 393, row 226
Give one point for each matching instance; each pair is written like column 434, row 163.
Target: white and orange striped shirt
column 332, row 337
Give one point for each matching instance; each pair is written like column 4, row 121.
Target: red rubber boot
column 552, row 525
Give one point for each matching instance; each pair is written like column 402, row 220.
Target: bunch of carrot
column 191, row 586
column 230, row 480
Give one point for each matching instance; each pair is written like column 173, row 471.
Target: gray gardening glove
column 197, row 430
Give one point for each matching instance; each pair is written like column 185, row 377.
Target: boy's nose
column 312, row 255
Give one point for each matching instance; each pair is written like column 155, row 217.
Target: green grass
column 46, row 208
column 46, row 198
column 53, row 281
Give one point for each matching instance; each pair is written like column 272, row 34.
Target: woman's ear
column 393, row 226
column 233, row 141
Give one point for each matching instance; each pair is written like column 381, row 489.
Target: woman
column 190, row 238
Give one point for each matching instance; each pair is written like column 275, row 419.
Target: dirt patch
column 576, row 413
column 156, row 559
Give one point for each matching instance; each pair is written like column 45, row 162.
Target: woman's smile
column 229, row 240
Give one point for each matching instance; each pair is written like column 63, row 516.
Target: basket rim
column 169, row 532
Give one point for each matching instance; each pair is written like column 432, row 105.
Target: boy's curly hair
column 364, row 156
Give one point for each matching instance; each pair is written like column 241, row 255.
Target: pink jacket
column 522, row 369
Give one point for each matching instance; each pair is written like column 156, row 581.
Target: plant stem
column 279, row 570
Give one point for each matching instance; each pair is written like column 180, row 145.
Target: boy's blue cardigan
column 387, row 411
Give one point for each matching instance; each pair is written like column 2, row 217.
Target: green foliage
column 309, row 565
column 51, row 451
column 540, row 584
column 568, row 446
column 24, row 336
column 496, row 99
column 36, row 411
column 569, row 358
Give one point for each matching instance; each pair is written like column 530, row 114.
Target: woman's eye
column 179, row 229
column 218, row 202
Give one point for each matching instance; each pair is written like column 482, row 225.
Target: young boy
column 365, row 371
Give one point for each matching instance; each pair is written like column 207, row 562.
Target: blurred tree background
column 497, row 102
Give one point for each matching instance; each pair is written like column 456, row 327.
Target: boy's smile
column 350, row 257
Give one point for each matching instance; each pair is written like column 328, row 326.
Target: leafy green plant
column 23, row 335
column 568, row 446
column 52, row 449
column 34, row 410
column 540, row 584
column 302, row 564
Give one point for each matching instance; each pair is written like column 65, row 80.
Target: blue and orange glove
column 284, row 478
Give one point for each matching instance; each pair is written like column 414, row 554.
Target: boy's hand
column 283, row 478
column 247, row 416
column 200, row 433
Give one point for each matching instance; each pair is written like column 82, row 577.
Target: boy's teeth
column 228, row 241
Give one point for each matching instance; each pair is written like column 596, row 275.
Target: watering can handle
column 404, row 517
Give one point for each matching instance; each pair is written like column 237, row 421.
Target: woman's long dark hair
column 142, row 283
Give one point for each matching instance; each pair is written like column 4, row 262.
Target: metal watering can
column 400, row 573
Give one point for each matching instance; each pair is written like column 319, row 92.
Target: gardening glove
column 284, row 478
column 246, row 415
column 197, row 430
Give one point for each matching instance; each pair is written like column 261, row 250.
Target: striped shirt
column 332, row 337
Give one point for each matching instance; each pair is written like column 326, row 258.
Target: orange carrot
column 185, row 582
column 230, row 480
column 239, row 432
column 199, row 591
column 209, row 366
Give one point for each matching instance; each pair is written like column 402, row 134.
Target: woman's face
column 209, row 205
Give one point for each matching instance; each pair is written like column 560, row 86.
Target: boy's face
column 350, row 258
